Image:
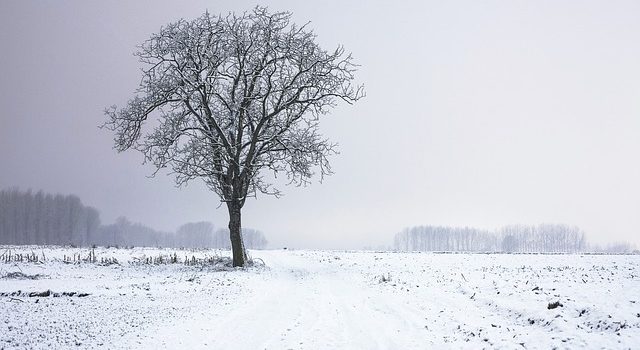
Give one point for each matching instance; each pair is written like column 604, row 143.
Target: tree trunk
column 235, row 233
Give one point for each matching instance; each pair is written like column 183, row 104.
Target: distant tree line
column 549, row 238
column 190, row 235
column 543, row 238
column 46, row 219
column 617, row 247
column 440, row 238
column 28, row 218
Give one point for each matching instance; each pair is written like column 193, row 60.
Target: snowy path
column 300, row 304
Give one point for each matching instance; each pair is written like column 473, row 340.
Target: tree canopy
column 225, row 97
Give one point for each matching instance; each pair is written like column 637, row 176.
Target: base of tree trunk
column 235, row 234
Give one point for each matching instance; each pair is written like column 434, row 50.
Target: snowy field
column 316, row 300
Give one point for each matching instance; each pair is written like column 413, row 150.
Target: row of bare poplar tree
column 544, row 238
column 41, row 218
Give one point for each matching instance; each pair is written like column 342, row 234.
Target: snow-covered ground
column 320, row 300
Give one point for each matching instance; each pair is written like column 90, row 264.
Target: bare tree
column 233, row 96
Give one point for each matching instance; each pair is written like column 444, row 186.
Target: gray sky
column 479, row 113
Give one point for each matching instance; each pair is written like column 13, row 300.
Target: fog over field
column 480, row 114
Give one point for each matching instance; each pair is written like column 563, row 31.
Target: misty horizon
column 40, row 218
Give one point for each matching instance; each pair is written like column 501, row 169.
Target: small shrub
column 554, row 305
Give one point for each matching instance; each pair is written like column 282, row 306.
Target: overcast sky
column 478, row 113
